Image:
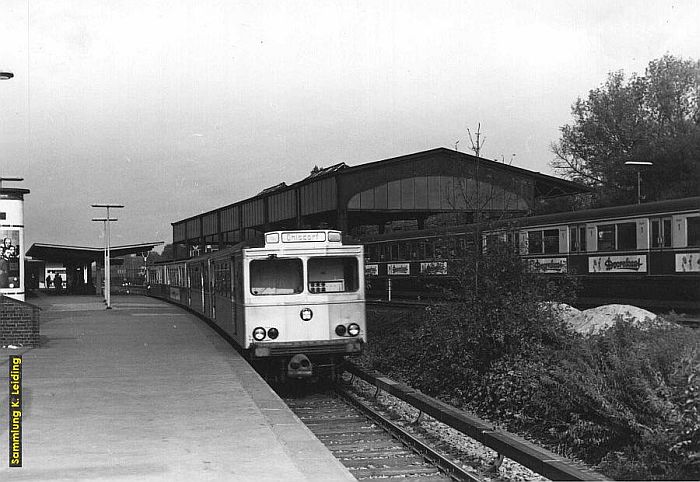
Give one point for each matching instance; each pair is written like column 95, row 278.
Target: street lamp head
column 638, row 163
column 107, row 205
column 6, row 75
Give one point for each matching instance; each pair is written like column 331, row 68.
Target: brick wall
column 19, row 323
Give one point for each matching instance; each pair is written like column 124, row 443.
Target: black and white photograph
column 325, row 240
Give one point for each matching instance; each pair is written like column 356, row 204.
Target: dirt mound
column 594, row 320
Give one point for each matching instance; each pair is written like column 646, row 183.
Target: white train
column 295, row 307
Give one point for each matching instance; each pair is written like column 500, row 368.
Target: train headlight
column 340, row 330
column 353, row 329
column 259, row 333
column 273, row 333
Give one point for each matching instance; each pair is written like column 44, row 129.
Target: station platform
column 148, row 391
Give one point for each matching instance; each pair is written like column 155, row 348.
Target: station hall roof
column 412, row 186
column 84, row 254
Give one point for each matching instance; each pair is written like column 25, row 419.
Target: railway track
column 369, row 444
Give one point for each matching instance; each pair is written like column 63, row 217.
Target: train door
column 660, row 255
column 237, row 288
column 208, row 298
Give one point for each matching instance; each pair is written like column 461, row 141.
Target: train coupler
column 299, row 367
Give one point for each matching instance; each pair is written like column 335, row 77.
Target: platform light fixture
column 639, row 165
column 106, row 221
column 6, row 75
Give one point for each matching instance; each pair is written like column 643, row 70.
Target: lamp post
column 106, row 220
column 639, row 165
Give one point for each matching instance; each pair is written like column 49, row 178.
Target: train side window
column 693, row 231
column 333, row 275
column 404, row 250
column 582, row 238
column 574, row 244
column 551, row 241
column 276, row 276
column 606, row 237
column 427, row 249
column 667, row 233
column 394, row 252
column 534, row 242
column 627, row 236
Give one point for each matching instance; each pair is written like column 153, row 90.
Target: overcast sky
column 177, row 107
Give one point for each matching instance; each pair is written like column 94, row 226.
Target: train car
column 295, row 306
column 643, row 253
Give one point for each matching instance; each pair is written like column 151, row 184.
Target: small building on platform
column 81, row 267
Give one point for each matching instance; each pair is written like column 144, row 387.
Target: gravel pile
column 457, row 446
column 595, row 320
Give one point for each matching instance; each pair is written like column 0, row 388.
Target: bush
column 627, row 399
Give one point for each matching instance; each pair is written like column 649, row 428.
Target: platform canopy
column 84, row 254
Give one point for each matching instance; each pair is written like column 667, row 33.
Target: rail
column 535, row 458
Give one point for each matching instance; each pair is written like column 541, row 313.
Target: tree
column 655, row 118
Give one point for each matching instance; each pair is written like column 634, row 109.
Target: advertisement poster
column 688, row 263
column 548, row 265
column 371, row 270
column 9, row 258
column 398, row 269
column 438, row 268
column 617, row 264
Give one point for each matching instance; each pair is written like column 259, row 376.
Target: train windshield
column 333, row 274
column 276, row 276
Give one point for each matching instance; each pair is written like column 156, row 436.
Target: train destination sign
column 617, row 264
column 304, row 237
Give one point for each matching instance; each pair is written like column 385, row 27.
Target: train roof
column 658, row 208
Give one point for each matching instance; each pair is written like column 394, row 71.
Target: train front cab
column 304, row 301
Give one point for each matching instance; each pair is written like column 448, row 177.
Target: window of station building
column 693, row 231
column 333, row 274
column 276, row 276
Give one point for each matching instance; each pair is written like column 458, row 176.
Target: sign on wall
column 688, row 263
column 617, row 264
column 371, row 270
column 548, row 265
column 434, row 268
column 9, row 259
column 400, row 269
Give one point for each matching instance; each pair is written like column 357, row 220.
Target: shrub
column 627, row 399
